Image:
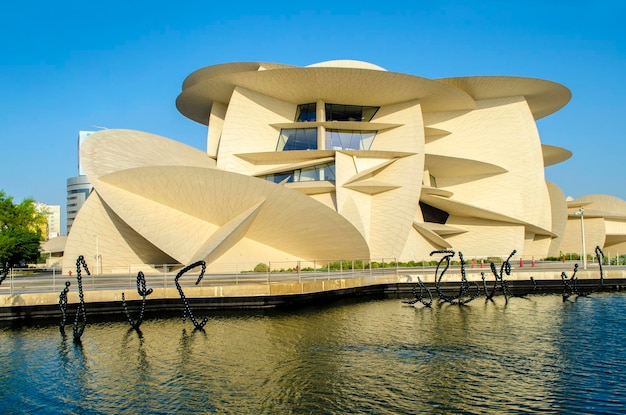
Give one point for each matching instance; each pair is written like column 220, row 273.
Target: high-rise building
column 78, row 187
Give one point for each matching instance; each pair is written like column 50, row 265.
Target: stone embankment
column 167, row 301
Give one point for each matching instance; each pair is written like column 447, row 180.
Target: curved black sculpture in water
column 464, row 295
column 187, row 310
column 420, row 297
column 501, row 282
column 81, row 312
column 570, row 285
column 141, row 289
column 63, row 305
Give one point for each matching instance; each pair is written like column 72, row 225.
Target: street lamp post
column 580, row 212
column 97, row 256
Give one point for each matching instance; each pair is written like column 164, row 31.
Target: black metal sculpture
column 501, row 283
column 63, row 305
column 80, row 321
column 420, row 297
column 570, row 287
column 187, row 310
column 141, row 289
column 464, row 295
column 81, row 312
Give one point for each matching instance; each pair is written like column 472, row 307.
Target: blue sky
column 67, row 66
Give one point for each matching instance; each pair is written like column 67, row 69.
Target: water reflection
column 530, row 355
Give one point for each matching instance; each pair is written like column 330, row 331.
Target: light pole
column 97, row 256
column 580, row 212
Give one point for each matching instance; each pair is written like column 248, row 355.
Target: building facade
column 78, row 187
column 337, row 160
column 53, row 219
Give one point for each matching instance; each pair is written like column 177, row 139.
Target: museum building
column 336, row 160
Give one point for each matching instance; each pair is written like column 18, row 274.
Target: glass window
column 349, row 139
column 279, row 177
column 321, row 172
column 306, row 112
column 297, row 139
column 340, row 112
column 433, row 214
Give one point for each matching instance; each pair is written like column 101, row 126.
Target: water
column 381, row 357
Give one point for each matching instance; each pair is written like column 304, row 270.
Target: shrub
column 261, row 267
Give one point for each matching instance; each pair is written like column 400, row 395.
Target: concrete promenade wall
column 166, row 300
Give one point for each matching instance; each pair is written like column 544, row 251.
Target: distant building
column 78, row 187
column 53, row 219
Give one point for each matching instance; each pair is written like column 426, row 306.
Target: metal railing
column 29, row 280
column 32, row 280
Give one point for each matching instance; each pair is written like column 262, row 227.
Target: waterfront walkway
column 37, row 294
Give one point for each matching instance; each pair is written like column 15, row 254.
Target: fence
column 30, row 280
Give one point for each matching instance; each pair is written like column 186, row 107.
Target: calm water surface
column 381, row 357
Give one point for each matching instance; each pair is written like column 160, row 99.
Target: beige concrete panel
column 215, row 71
column 393, row 212
column 453, row 207
column 359, row 86
column 432, row 134
column 409, row 137
column 178, row 197
column 304, row 230
column 462, row 169
column 175, row 232
column 559, row 218
column 228, row 235
column 614, row 247
column 312, row 188
column 433, row 191
column 97, row 228
column 292, row 166
column 544, row 97
column 371, row 187
column 352, row 205
column 503, row 132
column 535, row 246
column 554, row 155
column 594, row 235
column 246, row 254
column 216, row 124
column 440, row 229
column 367, row 167
column 431, row 236
column 286, row 158
column 340, row 125
column 417, row 248
column 485, row 238
column 615, row 227
column 608, row 206
column 108, row 151
column 247, row 128
column 328, row 199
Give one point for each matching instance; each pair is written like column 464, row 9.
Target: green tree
column 261, row 267
column 21, row 230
